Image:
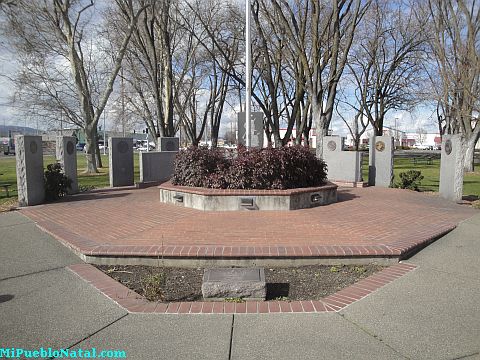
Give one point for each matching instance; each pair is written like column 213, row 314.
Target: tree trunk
column 469, row 151
column 90, row 153
column 321, row 130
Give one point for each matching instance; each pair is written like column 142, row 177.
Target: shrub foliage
column 410, row 180
column 56, row 183
column 284, row 168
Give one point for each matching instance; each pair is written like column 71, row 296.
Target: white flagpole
column 248, row 71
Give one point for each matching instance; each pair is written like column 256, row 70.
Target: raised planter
column 234, row 200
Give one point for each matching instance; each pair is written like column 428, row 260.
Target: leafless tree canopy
column 455, row 73
column 180, row 64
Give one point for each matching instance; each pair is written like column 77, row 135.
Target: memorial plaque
column 122, row 147
column 219, row 284
column 380, row 146
column 448, row 147
column 70, row 148
column 33, row 147
column 232, row 275
column 331, row 145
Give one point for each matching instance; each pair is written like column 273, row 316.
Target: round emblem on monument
column 122, row 147
column 448, row 147
column 70, row 148
column 331, row 145
column 33, row 147
column 380, row 146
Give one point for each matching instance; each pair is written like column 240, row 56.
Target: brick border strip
column 135, row 303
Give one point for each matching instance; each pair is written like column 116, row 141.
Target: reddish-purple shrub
column 284, row 168
column 195, row 165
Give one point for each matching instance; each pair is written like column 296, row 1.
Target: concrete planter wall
column 235, row 200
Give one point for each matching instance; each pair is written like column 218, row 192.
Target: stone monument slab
column 67, row 156
column 156, row 166
column 343, row 166
column 30, row 183
column 451, row 168
column 120, row 152
column 168, row 144
column 380, row 169
column 256, row 129
column 221, row 283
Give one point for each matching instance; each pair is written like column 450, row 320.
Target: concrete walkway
column 432, row 312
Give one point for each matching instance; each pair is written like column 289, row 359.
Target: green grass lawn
column 431, row 174
column 7, row 168
column 471, row 184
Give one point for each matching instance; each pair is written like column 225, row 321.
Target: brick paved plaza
column 365, row 222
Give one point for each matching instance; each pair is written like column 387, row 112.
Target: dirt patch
column 292, row 283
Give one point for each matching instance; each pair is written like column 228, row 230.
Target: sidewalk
column 430, row 313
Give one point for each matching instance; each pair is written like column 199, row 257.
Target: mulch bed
column 292, row 283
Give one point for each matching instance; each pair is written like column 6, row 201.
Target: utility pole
column 248, row 75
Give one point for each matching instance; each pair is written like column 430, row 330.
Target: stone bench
column 427, row 160
column 5, row 188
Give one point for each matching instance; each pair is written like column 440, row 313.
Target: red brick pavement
column 365, row 222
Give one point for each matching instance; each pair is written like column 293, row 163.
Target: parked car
column 80, row 147
column 100, row 147
column 422, row 147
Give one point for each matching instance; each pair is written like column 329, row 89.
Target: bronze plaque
column 70, row 148
column 331, row 145
column 448, row 147
column 33, row 147
column 122, row 147
column 380, row 146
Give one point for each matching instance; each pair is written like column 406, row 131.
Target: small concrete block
column 248, row 284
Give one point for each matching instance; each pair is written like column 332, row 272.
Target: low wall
column 156, row 166
column 234, row 200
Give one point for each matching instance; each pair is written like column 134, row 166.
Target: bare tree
column 385, row 66
column 358, row 122
column 55, row 42
column 322, row 47
column 454, row 37
column 149, row 67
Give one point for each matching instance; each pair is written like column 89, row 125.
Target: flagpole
column 248, row 72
